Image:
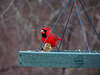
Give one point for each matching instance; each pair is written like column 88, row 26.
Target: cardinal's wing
column 54, row 36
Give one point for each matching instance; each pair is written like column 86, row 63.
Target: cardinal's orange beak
column 42, row 31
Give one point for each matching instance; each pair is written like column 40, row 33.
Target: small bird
column 52, row 39
column 47, row 48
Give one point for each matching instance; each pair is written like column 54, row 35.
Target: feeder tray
column 62, row 59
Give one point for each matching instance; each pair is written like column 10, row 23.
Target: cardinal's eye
column 45, row 30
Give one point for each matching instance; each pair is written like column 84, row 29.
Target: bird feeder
column 62, row 58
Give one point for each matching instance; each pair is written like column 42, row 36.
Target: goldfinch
column 47, row 48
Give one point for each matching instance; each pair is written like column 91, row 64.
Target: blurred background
column 20, row 25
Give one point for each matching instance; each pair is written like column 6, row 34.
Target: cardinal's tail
column 60, row 39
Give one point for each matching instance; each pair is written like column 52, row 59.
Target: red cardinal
column 52, row 39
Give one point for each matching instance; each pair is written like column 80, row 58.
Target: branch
column 8, row 68
column 7, row 8
column 95, row 37
column 53, row 15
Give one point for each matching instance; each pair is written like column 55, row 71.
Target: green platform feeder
column 62, row 59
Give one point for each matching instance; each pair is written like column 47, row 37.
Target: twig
column 29, row 4
column 95, row 37
column 52, row 17
column 49, row 5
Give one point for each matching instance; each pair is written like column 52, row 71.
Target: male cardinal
column 52, row 39
column 47, row 47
